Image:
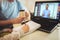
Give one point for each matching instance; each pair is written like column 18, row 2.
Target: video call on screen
column 47, row 10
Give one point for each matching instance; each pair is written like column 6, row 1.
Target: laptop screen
column 49, row 10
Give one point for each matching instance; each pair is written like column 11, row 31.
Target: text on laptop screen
column 47, row 10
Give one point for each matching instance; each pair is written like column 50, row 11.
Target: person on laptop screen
column 58, row 14
column 46, row 12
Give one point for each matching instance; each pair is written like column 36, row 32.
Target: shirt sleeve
column 2, row 17
column 21, row 6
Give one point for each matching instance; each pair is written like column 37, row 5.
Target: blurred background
column 29, row 4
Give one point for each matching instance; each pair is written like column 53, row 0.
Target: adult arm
column 11, row 21
column 49, row 13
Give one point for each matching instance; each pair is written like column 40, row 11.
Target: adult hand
column 42, row 14
column 26, row 14
column 49, row 14
column 17, row 20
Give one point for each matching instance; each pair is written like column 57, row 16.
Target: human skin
column 13, row 21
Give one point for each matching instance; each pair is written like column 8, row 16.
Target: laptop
column 46, row 13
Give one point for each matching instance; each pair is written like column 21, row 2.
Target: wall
column 30, row 3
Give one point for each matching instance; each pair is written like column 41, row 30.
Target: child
column 25, row 29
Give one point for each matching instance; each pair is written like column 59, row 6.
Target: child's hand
column 25, row 28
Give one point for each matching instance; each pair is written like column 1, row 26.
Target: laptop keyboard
column 48, row 26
